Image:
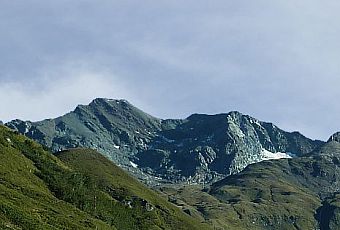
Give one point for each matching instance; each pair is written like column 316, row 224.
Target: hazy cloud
column 275, row 60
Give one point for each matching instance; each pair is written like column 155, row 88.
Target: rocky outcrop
column 328, row 214
column 205, row 147
column 335, row 137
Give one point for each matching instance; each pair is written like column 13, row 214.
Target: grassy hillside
column 26, row 201
column 301, row 193
column 269, row 195
column 83, row 190
column 124, row 196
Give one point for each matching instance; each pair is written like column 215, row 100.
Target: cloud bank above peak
column 277, row 61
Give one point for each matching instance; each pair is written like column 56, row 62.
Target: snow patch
column 133, row 164
column 267, row 155
column 116, row 146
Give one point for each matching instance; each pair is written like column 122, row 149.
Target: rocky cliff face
column 329, row 150
column 335, row 137
column 201, row 148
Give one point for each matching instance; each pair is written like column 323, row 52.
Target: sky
column 278, row 61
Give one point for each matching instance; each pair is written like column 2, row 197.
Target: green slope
column 83, row 190
column 117, row 189
column 299, row 193
column 271, row 195
column 26, row 202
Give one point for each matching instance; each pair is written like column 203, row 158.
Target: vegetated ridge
column 78, row 189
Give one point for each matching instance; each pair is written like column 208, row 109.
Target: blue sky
column 278, row 61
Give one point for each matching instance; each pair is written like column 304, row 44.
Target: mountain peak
column 335, row 137
column 235, row 113
column 109, row 101
column 201, row 147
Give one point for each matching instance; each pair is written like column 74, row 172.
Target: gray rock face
column 205, row 147
column 201, row 148
column 335, row 137
column 329, row 150
column 113, row 127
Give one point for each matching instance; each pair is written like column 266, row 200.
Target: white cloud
column 276, row 60
column 56, row 93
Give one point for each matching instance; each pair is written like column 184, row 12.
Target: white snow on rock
column 116, row 146
column 267, row 155
column 133, row 164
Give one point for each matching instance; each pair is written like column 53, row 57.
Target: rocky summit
column 199, row 149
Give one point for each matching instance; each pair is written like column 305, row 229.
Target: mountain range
column 199, row 149
column 223, row 171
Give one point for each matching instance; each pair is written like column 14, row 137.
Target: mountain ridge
column 155, row 149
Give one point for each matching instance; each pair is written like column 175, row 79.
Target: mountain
column 201, row 148
column 331, row 149
column 115, row 128
column 296, row 193
column 76, row 189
